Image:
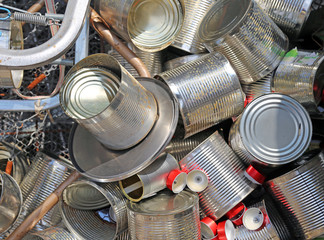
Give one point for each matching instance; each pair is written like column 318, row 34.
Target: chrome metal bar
column 82, row 43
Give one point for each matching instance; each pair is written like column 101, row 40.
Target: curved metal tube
column 55, row 47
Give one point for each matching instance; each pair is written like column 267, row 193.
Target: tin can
column 227, row 184
column 273, row 130
column 247, row 37
column 208, row 91
column 11, row 38
column 52, row 233
column 299, row 196
column 105, row 99
column 151, row 25
column 95, row 224
column 289, row 15
column 165, row 216
column 179, row 61
column 300, row 75
column 151, row 180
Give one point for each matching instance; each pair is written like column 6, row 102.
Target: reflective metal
column 299, row 194
column 227, row 184
column 208, row 91
column 300, row 75
column 150, row 180
column 166, row 216
column 107, row 101
column 178, row 62
column 151, row 25
column 52, row 233
column 88, row 224
column 273, row 130
column 108, row 165
column 250, row 40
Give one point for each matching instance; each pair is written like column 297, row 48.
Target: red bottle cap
column 236, row 214
column 254, row 175
column 226, row 230
column 176, row 180
column 208, row 227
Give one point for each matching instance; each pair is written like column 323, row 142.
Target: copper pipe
column 103, row 29
column 30, row 222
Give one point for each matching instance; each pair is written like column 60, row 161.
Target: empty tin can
column 227, row 185
column 299, row 195
column 273, row 130
column 151, row 180
column 250, row 40
column 52, row 233
column 179, row 61
column 11, row 37
column 300, row 75
column 208, row 91
column 165, row 216
column 95, row 224
column 151, row 25
column 289, row 15
column 105, row 99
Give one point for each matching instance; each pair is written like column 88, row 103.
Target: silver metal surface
column 300, row 75
column 187, row 39
column 87, row 224
column 227, row 185
column 105, row 99
column 299, row 194
column 273, row 130
column 289, row 15
column 208, row 91
column 150, row 180
column 178, row 62
column 151, row 25
column 10, row 202
column 165, row 216
column 249, row 39
column 108, row 165
column 55, row 47
column 52, row 233
column 30, row 18
column 82, row 42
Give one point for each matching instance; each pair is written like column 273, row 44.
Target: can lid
column 197, row 180
column 226, row 230
column 254, row 175
column 176, row 180
column 208, row 227
column 275, row 128
column 236, row 214
column 253, row 219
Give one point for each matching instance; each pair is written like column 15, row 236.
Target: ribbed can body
column 86, row 224
column 187, row 39
column 299, row 75
column 254, row 48
column 299, row 194
column 227, row 184
column 53, row 233
column 208, row 92
column 179, row 61
column 289, row 15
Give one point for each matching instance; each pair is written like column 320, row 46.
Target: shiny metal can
column 178, row 62
column 208, row 91
column 106, row 100
column 227, row 184
column 289, row 15
column 300, row 75
column 52, row 233
column 107, row 223
column 250, row 40
column 273, row 130
column 166, row 216
column 151, row 25
column 299, row 195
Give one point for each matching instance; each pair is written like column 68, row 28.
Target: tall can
column 250, row 40
column 300, row 75
column 273, row 130
column 227, row 185
column 208, row 91
column 151, row 25
column 299, row 195
column 106, row 100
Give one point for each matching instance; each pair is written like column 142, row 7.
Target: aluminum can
column 250, row 40
column 208, row 91
column 165, row 216
column 52, row 233
column 300, row 75
column 299, row 195
column 151, row 25
column 106, row 100
column 179, row 61
column 88, row 224
column 273, row 130
column 227, row 184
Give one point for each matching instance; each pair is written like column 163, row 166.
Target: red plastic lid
column 226, row 230
column 208, row 227
column 255, row 175
column 176, row 180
